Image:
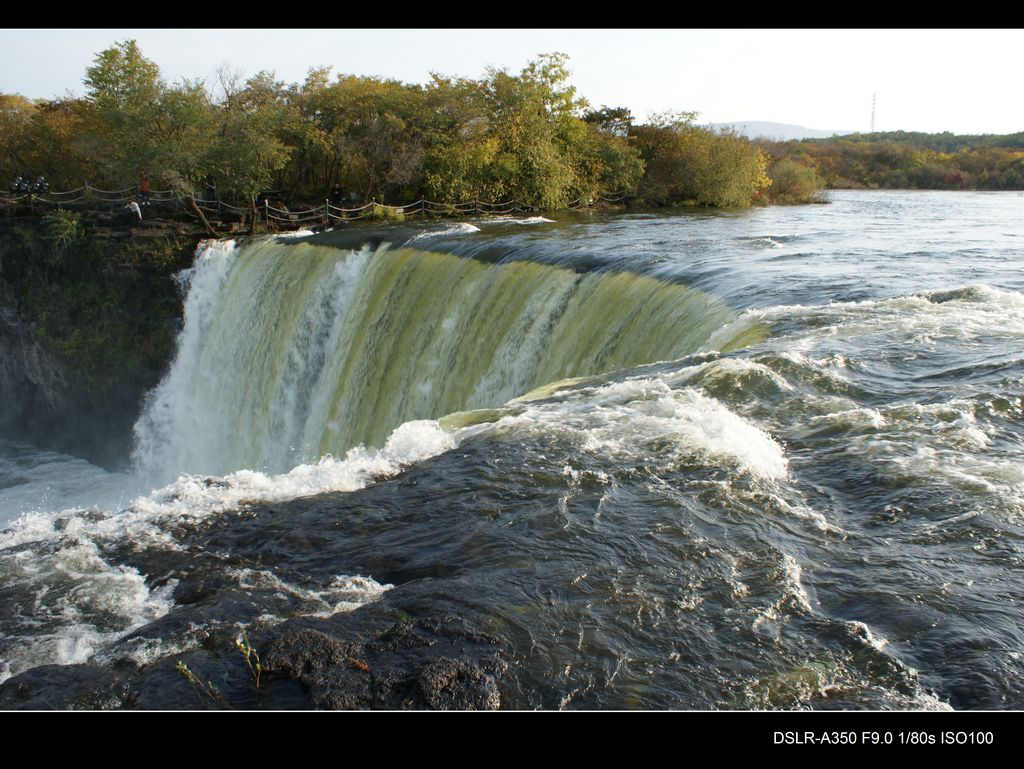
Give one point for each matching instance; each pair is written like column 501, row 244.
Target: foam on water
column 81, row 604
column 342, row 594
column 205, row 281
column 37, row 481
column 295, row 235
column 841, row 391
column 963, row 314
column 456, row 228
column 926, row 442
column 198, row 496
column 626, row 421
column 87, row 605
column 518, row 220
column 645, row 419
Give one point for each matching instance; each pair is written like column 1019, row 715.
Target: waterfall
column 293, row 351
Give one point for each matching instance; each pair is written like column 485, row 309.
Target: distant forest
column 525, row 136
column 909, row 160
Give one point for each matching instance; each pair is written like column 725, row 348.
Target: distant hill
column 754, row 129
column 942, row 142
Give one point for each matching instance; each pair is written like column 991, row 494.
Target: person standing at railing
column 211, row 189
column 143, row 188
column 335, row 199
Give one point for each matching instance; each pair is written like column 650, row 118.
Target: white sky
column 965, row 81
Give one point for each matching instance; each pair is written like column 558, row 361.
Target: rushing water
column 756, row 459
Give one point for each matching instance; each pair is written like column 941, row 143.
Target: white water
column 291, row 353
column 738, row 417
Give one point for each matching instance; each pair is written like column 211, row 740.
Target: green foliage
column 249, row 653
column 688, row 164
column 16, row 114
column 249, row 147
column 386, row 213
column 526, row 136
column 462, row 171
column 938, row 142
column 121, row 79
column 55, row 145
column 532, row 117
column 793, row 182
column 614, row 120
column 614, row 165
column 903, row 160
column 124, row 95
column 62, row 227
column 205, row 690
column 132, row 121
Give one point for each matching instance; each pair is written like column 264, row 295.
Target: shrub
column 62, row 228
column 793, row 183
column 387, row 213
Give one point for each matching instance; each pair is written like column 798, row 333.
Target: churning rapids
column 734, row 460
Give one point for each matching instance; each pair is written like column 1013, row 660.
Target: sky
column 964, row 81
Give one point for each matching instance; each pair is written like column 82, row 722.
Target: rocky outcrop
column 436, row 663
column 373, row 659
column 66, row 687
column 33, row 382
column 86, row 330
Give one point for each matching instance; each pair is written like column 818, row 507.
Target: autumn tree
column 133, row 121
column 249, row 147
column 16, row 113
column 689, row 164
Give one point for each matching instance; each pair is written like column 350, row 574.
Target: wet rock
column 452, row 684
column 376, row 658
column 66, row 687
column 438, row 663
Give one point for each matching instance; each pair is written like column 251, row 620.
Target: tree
column 535, row 119
column 794, row 182
column 690, row 164
column 134, row 121
column 613, row 120
column 16, row 114
column 248, row 150
column 124, row 94
column 56, row 149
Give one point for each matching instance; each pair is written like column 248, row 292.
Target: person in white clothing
column 134, row 212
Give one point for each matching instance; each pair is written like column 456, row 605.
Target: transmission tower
column 874, row 97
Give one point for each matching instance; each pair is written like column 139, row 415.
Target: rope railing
column 327, row 212
column 69, row 192
column 41, row 199
column 296, row 218
column 230, row 207
column 110, row 192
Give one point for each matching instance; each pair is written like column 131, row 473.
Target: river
column 758, row 459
